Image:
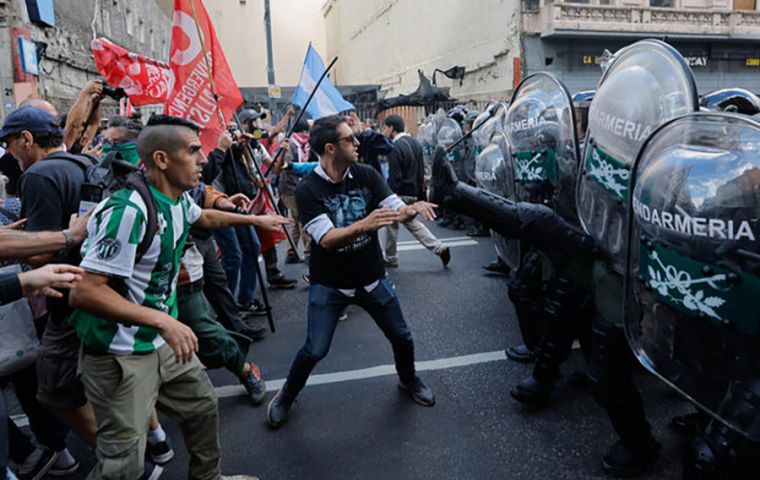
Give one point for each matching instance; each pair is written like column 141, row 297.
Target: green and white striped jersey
column 114, row 231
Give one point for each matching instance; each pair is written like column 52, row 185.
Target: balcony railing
column 561, row 18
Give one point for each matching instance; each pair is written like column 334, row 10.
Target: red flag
column 261, row 205
column 145, row 80
column 194, row 51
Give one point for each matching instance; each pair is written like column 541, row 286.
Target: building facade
column 239, row 25
column 720, row 39
column 59, row 33
column 386, row 41
column 500, row 41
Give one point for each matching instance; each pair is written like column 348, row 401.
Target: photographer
column 262, row 141
column 83, row 118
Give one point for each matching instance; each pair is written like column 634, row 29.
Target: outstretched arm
column 215, row 219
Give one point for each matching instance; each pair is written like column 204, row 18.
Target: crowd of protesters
column 133, row 290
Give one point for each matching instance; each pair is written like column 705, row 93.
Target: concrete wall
column 385, row 42
column 240, row 28
column 142, row 26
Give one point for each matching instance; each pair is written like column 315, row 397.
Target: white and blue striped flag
column 328, row 100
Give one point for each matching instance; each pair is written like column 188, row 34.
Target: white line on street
column 372, row 372
column 419, row 246
column 350, row 375
column 444, row 240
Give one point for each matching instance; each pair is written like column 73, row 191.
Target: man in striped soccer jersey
column 136, row 353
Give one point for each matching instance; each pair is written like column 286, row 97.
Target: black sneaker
column 531, row 391
column 281, row 281
column 278, row 410
column 253, row 308
column 445, row 256
column 254, row 385
column 497, row 267
column 306, row 279
column 419, row 392
column 623, row 462
column 520, row 354
column 37, row 464
column 254, row 332
column 160, row 453
column 292, row 259
column 151, row 471
column 65, row 465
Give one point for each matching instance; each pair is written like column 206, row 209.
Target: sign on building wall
column 41, row 11
column 28, row 51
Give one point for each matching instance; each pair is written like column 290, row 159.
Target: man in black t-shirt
column 342, row 205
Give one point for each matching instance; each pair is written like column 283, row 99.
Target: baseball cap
column 30, row 119
column 251, row 114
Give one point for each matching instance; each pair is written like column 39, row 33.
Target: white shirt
column 400, row 135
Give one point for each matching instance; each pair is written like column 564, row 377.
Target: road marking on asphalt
column 227, row 391
column 419, row 246
column 444, row 240
column 372, row 372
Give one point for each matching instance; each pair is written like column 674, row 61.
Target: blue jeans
column 240, row 252
column 4, row 438
column 325, row 306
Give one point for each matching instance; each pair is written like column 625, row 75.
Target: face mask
column 127, row 151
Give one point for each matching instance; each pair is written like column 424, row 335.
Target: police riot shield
column 483, row 127
column 541, row 128
column 449, row 132
column 427, row 136
column 645, row 85
column 493, row 173
column 693, row 269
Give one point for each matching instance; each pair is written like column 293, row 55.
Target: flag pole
column 208, row 66
column 264, row 295
column 301, row 112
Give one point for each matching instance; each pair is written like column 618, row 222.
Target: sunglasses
column 351, row 138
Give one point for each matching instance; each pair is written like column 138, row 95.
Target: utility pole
column 270, row 59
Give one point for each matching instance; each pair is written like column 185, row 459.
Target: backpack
column 111, row 174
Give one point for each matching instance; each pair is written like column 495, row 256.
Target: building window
column 662, row 3
column 130, row 20
column 744, row 4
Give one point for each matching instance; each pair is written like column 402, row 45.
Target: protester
column 53, row 457
column 50, row 193
column 14, row 444
column 298, row 152
column 405, row 178
column 219, row 347
column 126, row 308
column 343, row 204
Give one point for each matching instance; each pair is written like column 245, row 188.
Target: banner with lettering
column 204, row 85
column 146, row 81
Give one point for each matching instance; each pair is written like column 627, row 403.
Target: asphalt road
column 361, row 426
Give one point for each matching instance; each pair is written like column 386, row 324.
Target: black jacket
column 405, row 168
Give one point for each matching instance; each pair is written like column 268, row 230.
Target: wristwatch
column 70, row 240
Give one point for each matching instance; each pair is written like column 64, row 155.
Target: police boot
column 447, row 191
column 526, row 294
column 538, row 224
column 555, row 346
column 610, row 373
column 713, row 452
column 630, row 460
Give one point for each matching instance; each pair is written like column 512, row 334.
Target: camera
column 117, row 93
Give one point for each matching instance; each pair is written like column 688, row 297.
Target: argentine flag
column 328, row 100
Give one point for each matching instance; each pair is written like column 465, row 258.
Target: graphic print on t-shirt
column 346, row 209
